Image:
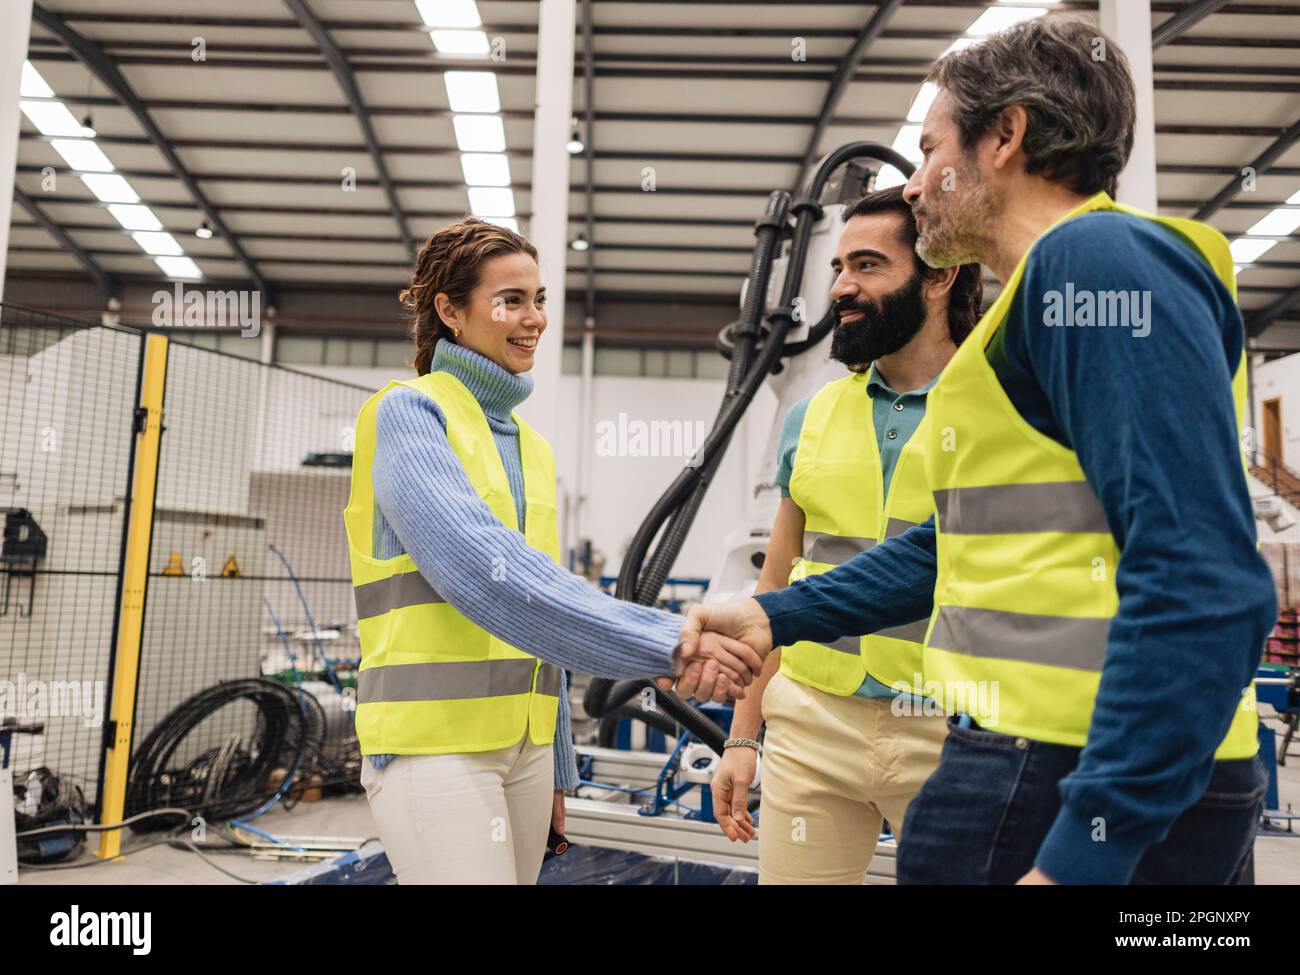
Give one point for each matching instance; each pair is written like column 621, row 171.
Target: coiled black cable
column 223, row 766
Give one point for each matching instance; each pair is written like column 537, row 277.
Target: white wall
column 1280, row 378
column 623, row 486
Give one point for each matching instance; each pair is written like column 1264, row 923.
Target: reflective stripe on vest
column 456, row 680
column 837, row 482
column 395, row 592
column 1015, row 509
column 431, row 681
column 1025, row 587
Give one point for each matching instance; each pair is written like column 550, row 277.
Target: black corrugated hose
column 640, row 580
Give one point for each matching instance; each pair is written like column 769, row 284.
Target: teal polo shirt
column 895, row 416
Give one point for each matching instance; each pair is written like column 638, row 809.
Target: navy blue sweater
column 1149, row 411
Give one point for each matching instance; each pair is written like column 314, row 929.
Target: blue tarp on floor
column 586, row 865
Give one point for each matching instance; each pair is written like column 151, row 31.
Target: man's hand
column 744, row 621
column 557, row 812
column 714, row 668
column 730, row 787
column 1036, row 877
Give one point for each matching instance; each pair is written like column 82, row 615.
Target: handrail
column 1261, row 460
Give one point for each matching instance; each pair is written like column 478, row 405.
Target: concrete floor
column 1277, row 858
column 339, row 816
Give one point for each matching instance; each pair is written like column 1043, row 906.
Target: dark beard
column 883, row 329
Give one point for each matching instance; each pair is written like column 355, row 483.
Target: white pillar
column 549, row 227
column 1128, row 23
column 15, row 28
column 583, row 441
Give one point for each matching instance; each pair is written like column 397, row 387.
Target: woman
column 456, row 714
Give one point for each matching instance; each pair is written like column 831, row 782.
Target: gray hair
column 1073, row 83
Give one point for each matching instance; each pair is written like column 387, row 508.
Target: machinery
column 785, row 314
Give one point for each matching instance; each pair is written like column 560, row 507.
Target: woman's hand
column 557, row 812
column 730, row 787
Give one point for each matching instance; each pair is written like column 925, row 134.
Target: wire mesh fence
column 248, row 568
column 247, row 574
column 65, row 449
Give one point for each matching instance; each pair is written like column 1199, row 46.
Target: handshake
column 722, row 649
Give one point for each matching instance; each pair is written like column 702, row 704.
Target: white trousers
column 468, row 818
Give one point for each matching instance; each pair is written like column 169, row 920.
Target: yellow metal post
column 135, row 578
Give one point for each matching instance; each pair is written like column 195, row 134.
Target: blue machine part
column 1279, row 697
column 669, row 786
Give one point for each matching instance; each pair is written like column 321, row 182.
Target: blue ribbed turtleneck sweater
column 426, row 506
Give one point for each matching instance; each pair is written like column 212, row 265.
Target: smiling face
column 877, row 294
column 952, row 193
column 504, row 315
column 871, row 261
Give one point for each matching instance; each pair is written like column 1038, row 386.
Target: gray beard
column 963, row 234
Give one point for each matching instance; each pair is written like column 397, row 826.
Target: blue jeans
column 981, row 817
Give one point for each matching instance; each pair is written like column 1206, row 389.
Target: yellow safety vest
column 838, row 483
column 1025, row 590
column 431, row 681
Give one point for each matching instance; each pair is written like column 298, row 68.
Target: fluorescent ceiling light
column 33, row 85
column 153, row 242
column 1294, row 199
column 492, row 201
column 82, row 155
column 995, row 19
column 924, row 99
column 485, row 169
column 510, row 223
column 1278, row 223
column 460, row 41
column 178, row 267
column 135, row 216
column 52, row 118
column 449, row 13
column 1248, row 250
column 472, row 91
column 908, row 142
column 110, row 188
column 960, row 44
column 479, row 133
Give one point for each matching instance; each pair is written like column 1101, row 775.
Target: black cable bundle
column 60, row 802
column 235, row 776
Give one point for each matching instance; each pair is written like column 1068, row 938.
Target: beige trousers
column 833, row 768
column 468, row 818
